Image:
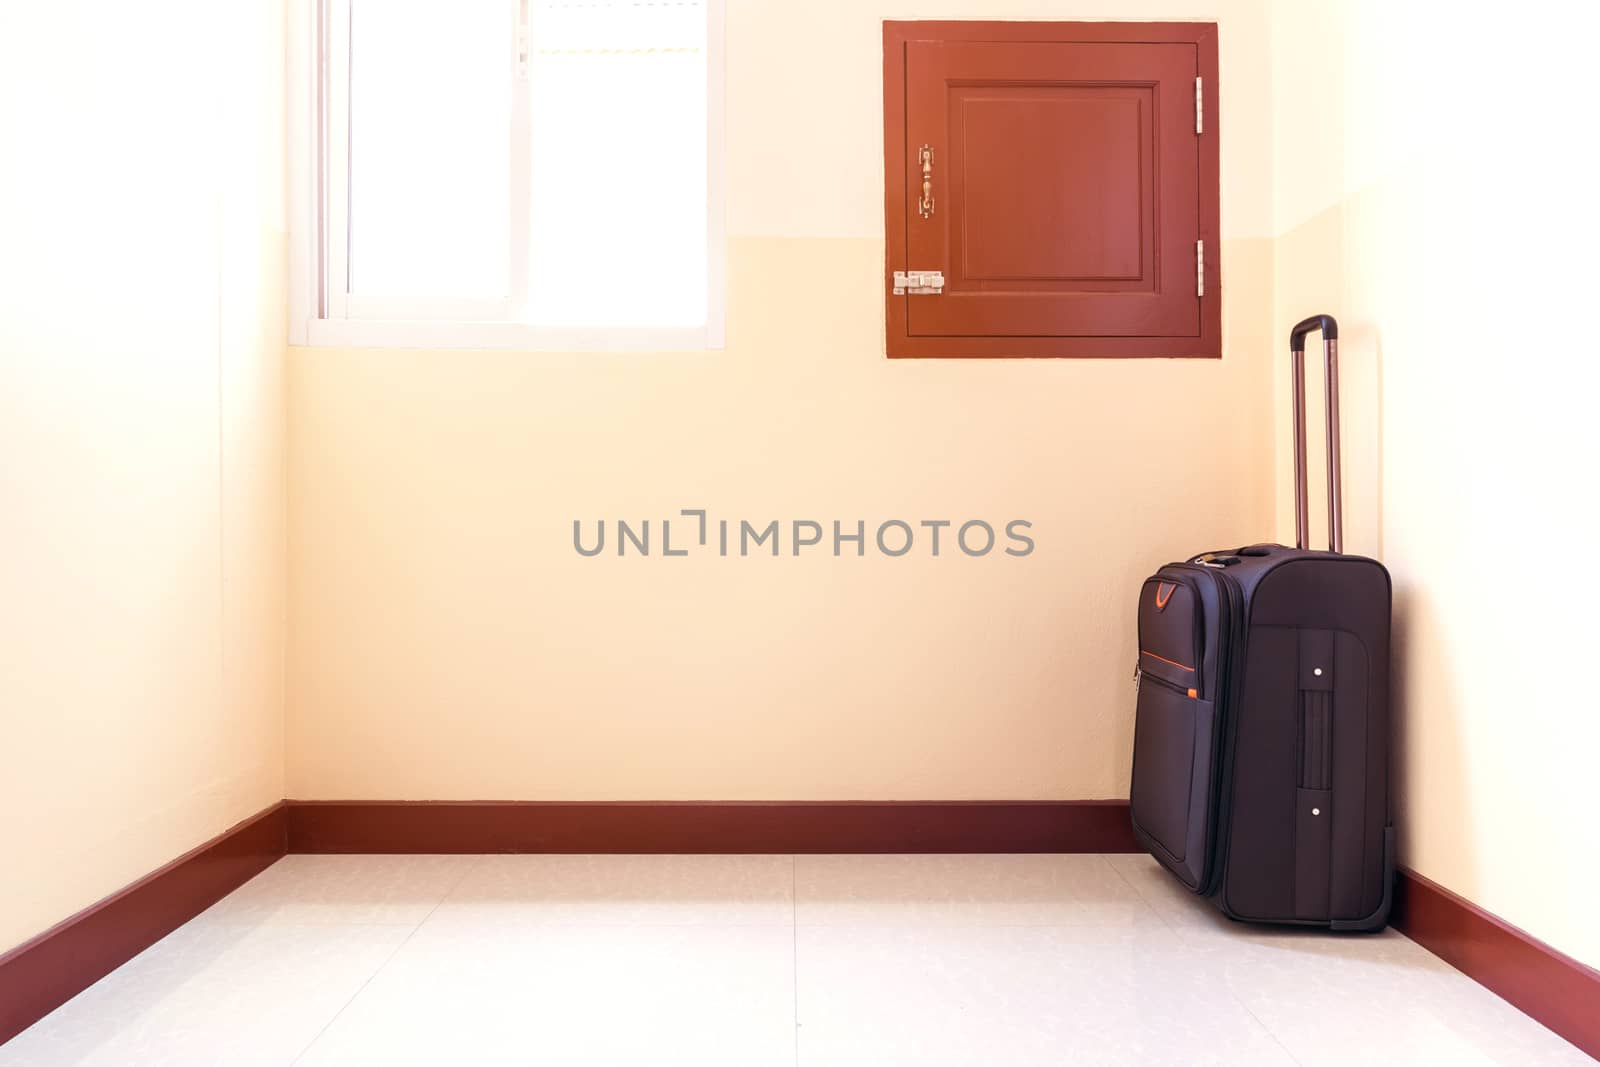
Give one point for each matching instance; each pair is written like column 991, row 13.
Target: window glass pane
column 430, row 159
column 618, row 215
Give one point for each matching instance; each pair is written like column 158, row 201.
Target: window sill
column 502, row 336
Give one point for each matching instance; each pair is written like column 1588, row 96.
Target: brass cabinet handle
column 925, row 205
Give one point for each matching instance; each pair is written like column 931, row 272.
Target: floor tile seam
column 1269, row 1031
column 354, row 996
column 794, row 950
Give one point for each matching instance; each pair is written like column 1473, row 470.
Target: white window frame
column 323, row 314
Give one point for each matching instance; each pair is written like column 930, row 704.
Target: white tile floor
column 747, row 961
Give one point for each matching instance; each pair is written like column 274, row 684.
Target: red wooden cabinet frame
column 1118, row 279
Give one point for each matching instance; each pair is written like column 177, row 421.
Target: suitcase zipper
column 1228, row 682
column 1230, row 607
column 1138, row 680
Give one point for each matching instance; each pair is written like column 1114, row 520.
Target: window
column 1051, row 189
column 516, row 173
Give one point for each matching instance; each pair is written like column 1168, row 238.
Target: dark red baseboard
column 733, row 826
column 1551, row 987
column 38, row 976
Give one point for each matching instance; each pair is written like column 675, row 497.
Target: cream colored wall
column 447, row 641
column 1434, row 192
column 142, row 558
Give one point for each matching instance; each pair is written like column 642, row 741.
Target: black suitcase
column 1261, row 745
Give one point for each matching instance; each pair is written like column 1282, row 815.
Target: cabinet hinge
column 918, row 281
column 1199, row 268
column 1199, row 107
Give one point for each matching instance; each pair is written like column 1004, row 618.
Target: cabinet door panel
column 1068, row 188
column 1064, row 180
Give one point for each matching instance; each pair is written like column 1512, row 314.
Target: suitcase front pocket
column 1171, row 792
column 1171, row 633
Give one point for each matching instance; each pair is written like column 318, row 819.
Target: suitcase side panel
column 1296, row 732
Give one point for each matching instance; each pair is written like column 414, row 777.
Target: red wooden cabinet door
column 1059, row 186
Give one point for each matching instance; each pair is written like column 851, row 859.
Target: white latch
column 918, row 281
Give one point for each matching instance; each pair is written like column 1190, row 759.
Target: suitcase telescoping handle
column 1297, row 354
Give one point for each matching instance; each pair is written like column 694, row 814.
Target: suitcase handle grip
column 1325, row 323
column 1297, row 355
